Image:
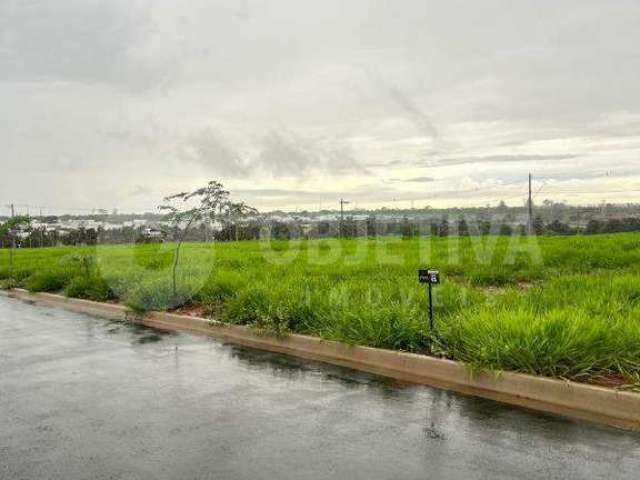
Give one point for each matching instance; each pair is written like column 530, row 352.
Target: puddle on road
column 137, row 334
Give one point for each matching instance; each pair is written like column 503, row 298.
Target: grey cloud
column 604, row 172
column 391, row 163
column 375, row 193
column 367, row 192
column 577, row 59
column 140, row 190
column 277, row 197
column 552, row 174
column 208, row 151
column 422, row 122
column 289, row 155
column 78, row 89
column 277, row 192
column 279, row 154
column 414, row 179
column 75, row 40
column 65, row 163
column 420, row 119
column 497, row 159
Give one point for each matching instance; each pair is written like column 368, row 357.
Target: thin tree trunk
column 177, row 257
column 11, row 247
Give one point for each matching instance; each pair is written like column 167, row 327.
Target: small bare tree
column 208, row 203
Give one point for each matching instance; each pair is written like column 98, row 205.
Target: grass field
column 558, row 306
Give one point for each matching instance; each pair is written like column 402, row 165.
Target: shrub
column 47, row 281
column 121, row 284
column 89, row 287
column 158, row 295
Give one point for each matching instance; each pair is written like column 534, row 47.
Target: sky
column 294, row 104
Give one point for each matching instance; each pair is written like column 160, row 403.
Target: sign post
column 430, row 277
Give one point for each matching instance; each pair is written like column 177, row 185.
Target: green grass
column 559, row 306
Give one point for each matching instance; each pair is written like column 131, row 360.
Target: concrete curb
column 575, row 400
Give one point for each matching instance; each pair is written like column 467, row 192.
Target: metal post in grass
column 430, row 277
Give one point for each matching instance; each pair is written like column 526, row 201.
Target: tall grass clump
column 222, row 287
column 48, row 281
column 566, row 342
column 159, row 294
column 91, row 287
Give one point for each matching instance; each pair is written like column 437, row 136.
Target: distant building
column 153, row 234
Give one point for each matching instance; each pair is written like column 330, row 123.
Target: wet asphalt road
column 84, row 398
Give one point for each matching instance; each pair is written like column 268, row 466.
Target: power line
column 540, row 189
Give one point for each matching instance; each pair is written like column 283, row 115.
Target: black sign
column 429, row 276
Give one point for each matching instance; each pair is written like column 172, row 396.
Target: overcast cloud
column 117, row 103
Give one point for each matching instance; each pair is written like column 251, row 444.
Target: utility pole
column 530, row 208
column 342, row 204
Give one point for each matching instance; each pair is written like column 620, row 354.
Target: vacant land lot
column 558, row 306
